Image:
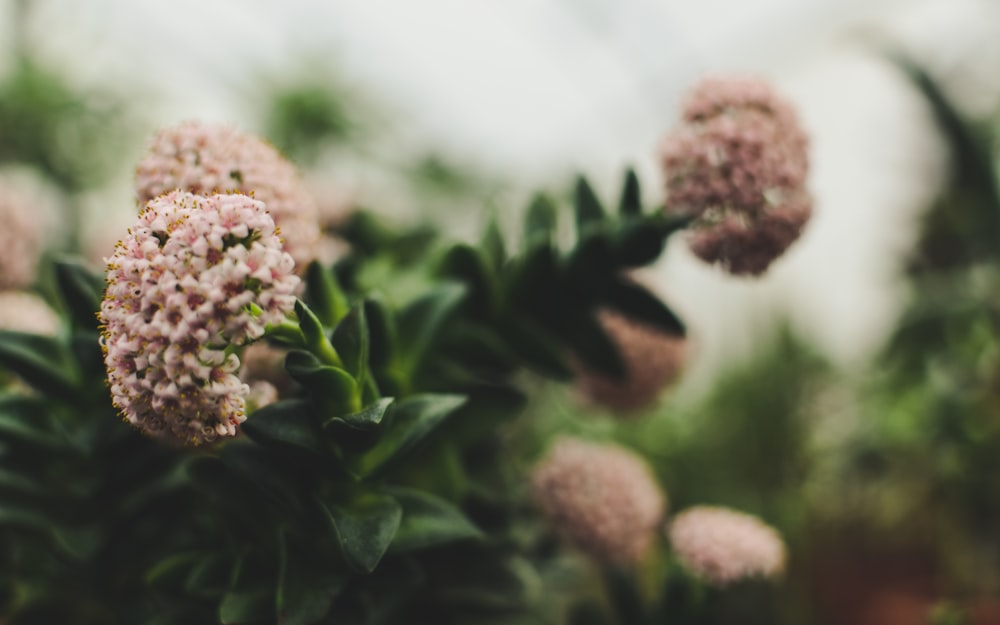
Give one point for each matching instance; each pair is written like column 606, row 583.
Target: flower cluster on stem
column 195, row 278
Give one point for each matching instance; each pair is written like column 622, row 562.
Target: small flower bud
column 602, row 497
column 721, row 546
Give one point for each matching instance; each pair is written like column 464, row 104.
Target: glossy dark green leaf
column 287, row 422
column 315, row 335
column 635, row 302
column 81, row 291
column 587, row 207
column 592, row 259
column 247, row 606
column 420, row 322
column 429, row 520
column 43, row 362
column 369, row 418
column 413, row 420
column 324, row 295
column 638, row 242
column 350, row 339
column 333, row 389
column 631, row 200
column 540, row 220
column 364, row 528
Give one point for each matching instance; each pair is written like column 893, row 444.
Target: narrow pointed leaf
column 421, row 321
column 637, row 303
column 381, row 332
column 540, row 220
column 350, row 339
column 41, row 361
column 367, row 419
column 631, row 201
column 333, row 389
column 588, row 208
column 468, row 265
column 325, row 296
column 493, row 246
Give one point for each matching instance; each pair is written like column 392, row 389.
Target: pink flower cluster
column 206, row 159
column 653, row 360
column 22, row 230
column 738, row 164
column 603, row 497
column 722, row 546
column 195, row 278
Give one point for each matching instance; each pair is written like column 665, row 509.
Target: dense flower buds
column 722, row 546
column 602, row 497
column 206, row 159
column 737, row 164
column 26, row 312
column 652, row 358
column 195, row 277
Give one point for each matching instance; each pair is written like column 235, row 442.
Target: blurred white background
column 540, row 89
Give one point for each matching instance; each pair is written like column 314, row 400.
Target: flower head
column 653, row 360
column 206, row 159
column 21, row 311
column 738, row 164
column 722, row 546
column 602, row 497
column 195, row 277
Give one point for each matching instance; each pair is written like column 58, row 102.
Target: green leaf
column 324, row 294
column 350, row 339
column 631, row 202
column 429, row 520
column 421, row 321
column 592, row 345
column 333, row 389
column 635, row 302
column 638, row 242
column 540, row 220
column 469, row 266
column 24, row 419
column 305, row 590
column 81, row 291
column 592, row 259
column 369, row 418
column 381, row 331
column 315, row 336
column 413, row 419
column 287, row 422
column 172, row 567
column 588, row 208
column 43, row 362
column 364, row 528
column 493, row 246
column 537, row 348
column 245, row 606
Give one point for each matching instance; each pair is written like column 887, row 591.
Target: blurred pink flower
column 653, row 360
column 738, row 164
column 195, row 277
column 21, row 311
column 602, row 497
column 721, row 546
column 206, row 159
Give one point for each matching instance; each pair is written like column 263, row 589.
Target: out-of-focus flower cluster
column 22, row 311
column 195, row 278
column 206, row 159
column 652, row 358
column 722, row 546
column 602, row 497
column 737, row 163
